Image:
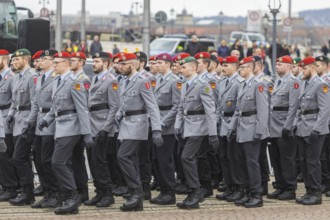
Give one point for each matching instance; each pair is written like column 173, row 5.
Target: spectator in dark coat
column 193, row 46
column 237, row 46
column 223, row 49
column 96, row 46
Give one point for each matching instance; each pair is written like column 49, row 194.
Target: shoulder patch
column 115, row 86
column 87, row 85
column 35, row 80
column 325, row 88
column 261, row 88
column 296, row 86
column 153, row 83
column 207, row 90
column 147, row 85
column 77, row 87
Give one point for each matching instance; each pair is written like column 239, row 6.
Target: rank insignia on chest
column 147, row 85
column 325, row 89
column 261, row 88
column 296, row 86
column 115, row 86
column 35, row 80
column 77, row 87
column 153, row 83
column 270, row 89
column 229, row 103
column 87, row 85
column 207, row 90
column 213, row 85
column 179, row 85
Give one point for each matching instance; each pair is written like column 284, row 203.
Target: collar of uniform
column 284, row 78
column 248, row 81
column 191, row 80
column 4, row 72
column 48, row 73
column 136, row 73
column 232, row 77
column 101, row 75
column 312, row 79
column 23, row 71
column 203, row 75
column 78, row 73
column 166, row 75
column 261, row 74
column 65, row 75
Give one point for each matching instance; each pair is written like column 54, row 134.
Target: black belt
column 44, row 110
column 228, row 114
column 164, row 108
column 23, row 108
column 309, row 111
column 249, row 113
column 281, row 108
column 200, row 112
column 98, row 107
column 66, row 112
column 137, row 112
column 3, row 107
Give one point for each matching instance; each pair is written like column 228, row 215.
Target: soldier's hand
column 313, row 137
column 214, row 142
column 3, row 146
column 256, row 139
column 9, row 120
column 285, row 133
column 294, row 130
column 118, row 120
column 88, row 140
column 102, row 136
column 230, row 135
column 157, row 138
column 177, row 133
column 42, row 124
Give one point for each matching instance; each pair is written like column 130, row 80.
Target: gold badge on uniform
column 153, row 83
column 325, row 89
column 115, row 86
column 179, row 85
column 229, row 103
column 270, row 89
column 213, row 85
column 77, row 87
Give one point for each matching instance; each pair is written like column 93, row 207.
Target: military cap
column 220, row 59
column 50, row 52
column 180, row 57
column 152, row 58
column 308, row 60
column 80, row 55
column 230, row 59
column 214, row 59
column 187, row 60
column 110, row 55
column 37, row 55
column 141, row 55
column 63, row 54
column 246, row 60
column 4, row 53
column 324, row 59
column 164, row 56
column 101, row 55
column 117, row 55
column 127, row 56
column 21, row 52
column 296, row 60
column 285, row 59
column 257, row 58
column 202, row 55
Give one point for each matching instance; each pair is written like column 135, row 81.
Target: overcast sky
column 196, row 7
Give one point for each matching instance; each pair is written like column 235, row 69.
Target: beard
column 97, row 70
column 1, row 66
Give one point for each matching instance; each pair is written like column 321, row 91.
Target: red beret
column 220, row 59
column 285, row 59
column 127, row 56
column 80, row 55
column 63, row 55
column 164, row 56
column 4, row 52
column 246, row 60
column 152, row 58
column 37, row 54
column 307, row 61
column 110, row 55
column 180, row 57
column 202, row 55
column 230, row 59
column 117, row 55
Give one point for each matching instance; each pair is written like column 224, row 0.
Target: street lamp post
column 172, row 19
column 220, row 16
column 265, row 25
column 274, row 10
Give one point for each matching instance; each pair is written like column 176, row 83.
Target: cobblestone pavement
column 211, row 209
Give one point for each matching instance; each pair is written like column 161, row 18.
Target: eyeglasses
column 57, row 62
column 244, row 67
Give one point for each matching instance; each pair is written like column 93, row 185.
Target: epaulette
column 83, row 76
column 141, row 76
column 266, row 78
column 111, row 76
column 175, row 76
column 54, row 74
column 201, row 80
column 293, row 77
column 240, row 79
column 72, row 76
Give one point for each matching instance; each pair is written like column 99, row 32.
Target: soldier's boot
column 95, row 199
column 275, row 194
column 182, row 189
column 315, row 198
column 236, row 195
column 242, row 201
column 154, row 185
column 193, row 200
column 39, row 191
column 207, row 189
column 307, row 194
column 287, row 195
column 25, row 198
column 166, row 197
column 146, row 191
column 134, row 201
column 254, row 201
column 70, row 205
column 224, row 195
column 264, row 186
column 83, row 194
column 107, row 198
column 327, row 194
column 326, row 186
column 51, row 202
column 38, row 205
column 222, row 186
column 9, row 193
column 215, row 181
column 120, row 191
